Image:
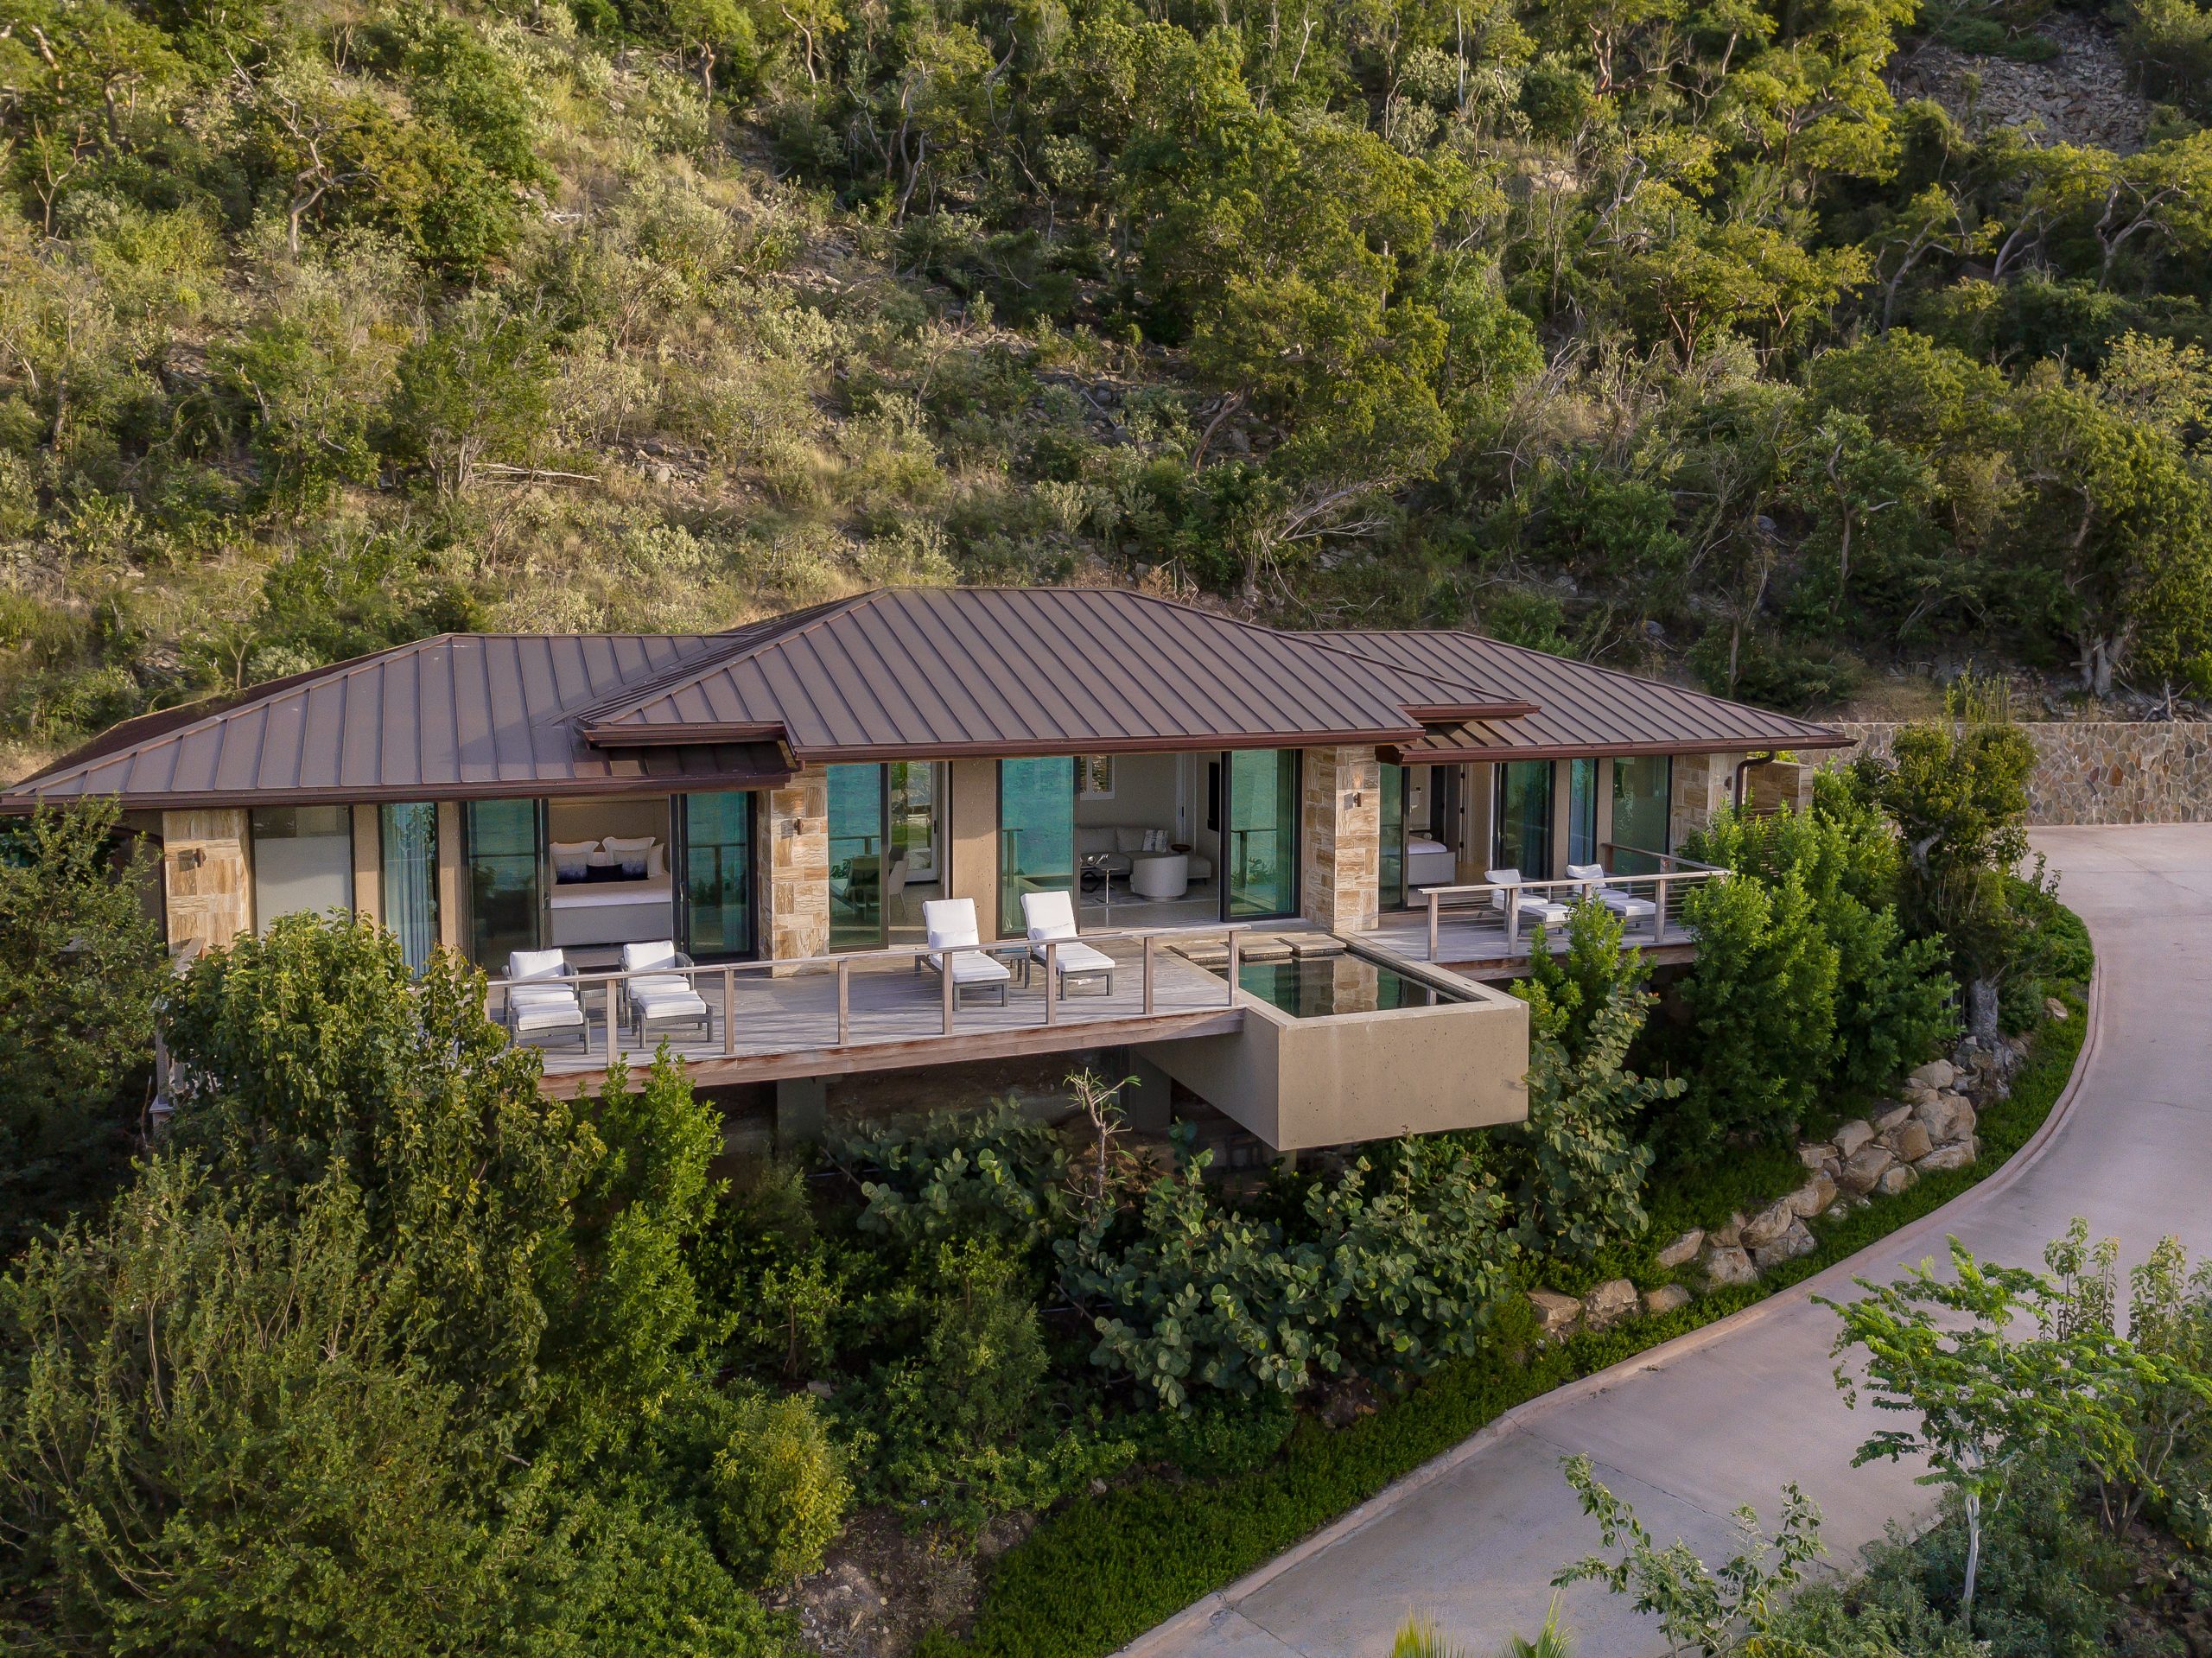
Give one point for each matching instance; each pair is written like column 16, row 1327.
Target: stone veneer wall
column 1340, row 843
column 1704, row 785
column 795, row 869
column 2099, row 771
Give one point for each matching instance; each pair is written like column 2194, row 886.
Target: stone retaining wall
column 2099, row 771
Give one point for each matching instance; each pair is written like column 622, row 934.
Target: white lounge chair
column 661, row 1001
column 1534, row 907
column 1051, row 920
column 1626, row 905
column 541, row 998
column 949, row 924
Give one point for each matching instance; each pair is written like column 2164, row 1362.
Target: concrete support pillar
column 974, row 872
column 1340, row 838
column 209, row 881
column 802, row 1111
column 1148, row 1101
column 368, row 863
column 451, row 932
column 794, row 874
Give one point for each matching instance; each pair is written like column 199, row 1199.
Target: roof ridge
column 1623, row 674
column 662, row 684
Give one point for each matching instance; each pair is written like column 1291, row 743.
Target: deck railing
column 1509, row 913
column 716, row 984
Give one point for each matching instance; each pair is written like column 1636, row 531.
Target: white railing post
column 844, row 998
column 944, row 986
column 1052, row 981
column 1659, row 911
column 610, row 1024
column 1148, row 939
column 729, row 1011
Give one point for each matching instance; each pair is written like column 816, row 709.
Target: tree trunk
column 1981, row 1010
column 1973, row 1561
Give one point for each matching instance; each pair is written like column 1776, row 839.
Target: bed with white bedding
column 1429, row 863
column 612, row 911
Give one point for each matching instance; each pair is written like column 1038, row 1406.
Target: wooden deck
column 787, row 1025
column 1474, row 945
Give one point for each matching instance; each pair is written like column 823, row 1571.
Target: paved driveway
column 1725, row 1416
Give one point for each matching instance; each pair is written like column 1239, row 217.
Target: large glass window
column 303, row 861
column 1523, row 827
column 1036, row 832
column 1392, row 895
column 1582, row 811
column 855, row 856
column 501, row 846
column 1262, row 832
column 718, row 875
column 408, row 832
column 1642, row 787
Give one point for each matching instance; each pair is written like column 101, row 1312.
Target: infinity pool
column 1319, row 987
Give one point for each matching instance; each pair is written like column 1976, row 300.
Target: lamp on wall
column 191, row 858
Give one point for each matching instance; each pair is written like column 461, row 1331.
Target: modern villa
column 931, row 826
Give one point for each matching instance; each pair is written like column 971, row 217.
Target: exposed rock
column 1913, row 1094
column 1894, row 1179
column 1729, row 1236
column 1938, row 1074
column 1849, row 1138
column 1815, row 1195
column 1724, row 1266
column 1815, row 1154
column 1911, row 1142
column 1664, row 1300
column 1557, row 1315
column 1795, row 1240
column 1945, row 1116
column 1683, row 1250
column 1611, row 1302
column 1954, row 1155
column 1887, row 1120
column 1767, row 1225
column 1865, row 1167
column 2053, row 1008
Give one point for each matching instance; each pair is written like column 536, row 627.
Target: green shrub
column 778, row 1489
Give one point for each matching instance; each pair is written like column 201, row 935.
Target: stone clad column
column 209, row 885
column 1340, row 838
column 795, row 869
column 1704, row 785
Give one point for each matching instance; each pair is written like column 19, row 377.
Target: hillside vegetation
column 1656, row 330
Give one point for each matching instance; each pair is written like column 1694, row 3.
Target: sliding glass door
column 856, row 840
column 1520, row 837
column 1262, row 832
column 717, row 876
column 1582, row 811
column 1392, row 895
column 1642, row 786
column 500, row 853
column 1036, row 832
column 408, row 834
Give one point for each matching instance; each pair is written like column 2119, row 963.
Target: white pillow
column 1129, row 840
column 633, row 853
column 627, row 842
column 571, row 857
column 535, row 964
column 1155, row 839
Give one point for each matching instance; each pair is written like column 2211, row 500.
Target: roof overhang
column 1470, row 743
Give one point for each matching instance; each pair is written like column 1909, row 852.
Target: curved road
column 1725, row 1416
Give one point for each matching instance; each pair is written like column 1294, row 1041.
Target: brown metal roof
column 456, row 716
column 1582, row 709
column 938, row 671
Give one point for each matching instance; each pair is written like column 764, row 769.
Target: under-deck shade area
column 876, row 1010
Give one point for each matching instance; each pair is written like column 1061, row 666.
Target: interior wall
column 974, row 803
column 624, row 816
column 1147, row 795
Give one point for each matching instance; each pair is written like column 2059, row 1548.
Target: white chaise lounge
column 541, row 998
column 1626, row 905
column 955, row 947
column 1051, row 920
column 1535, row 907
column 661, row 1001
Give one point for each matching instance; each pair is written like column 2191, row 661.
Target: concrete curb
column 1175, row 1634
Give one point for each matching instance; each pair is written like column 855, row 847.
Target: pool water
column 1317, row 987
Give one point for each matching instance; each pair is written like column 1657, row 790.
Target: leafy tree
column 1574, row 1171
column 81, row 967
column 1762, row 998
column 1988, row 1398
column 1957, row 789
column 471, row 392
column 1695, row 1606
